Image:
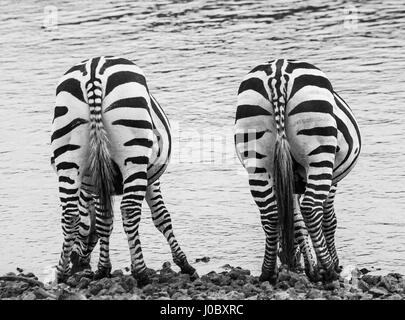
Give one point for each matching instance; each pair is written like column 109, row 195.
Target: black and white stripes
column 294, row 134
column 110, row 136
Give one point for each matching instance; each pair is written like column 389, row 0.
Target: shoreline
column 234, row 283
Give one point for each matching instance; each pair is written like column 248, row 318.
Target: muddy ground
column 233, row 283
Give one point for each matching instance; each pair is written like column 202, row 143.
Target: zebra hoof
column 313, row 275
column 188, row 269
column 270, row 277
column 61, row 278
column 142, row 278
column 330, row 275
column 78, row 263
column 102, row 272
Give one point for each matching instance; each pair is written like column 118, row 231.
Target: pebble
column 83, row 283
column 281, row 295
column 332, row 285
column 117, row 274
column 28, row 296
column 371, row 280
column 376, row 292
column 266, row 286
column 203, row 259
column 314, row 294
column 362, row 285
column 148, row 289
column 389, row 283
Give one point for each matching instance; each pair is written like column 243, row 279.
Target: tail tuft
column 284, row 190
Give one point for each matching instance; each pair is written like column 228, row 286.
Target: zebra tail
column 100, row 165
column 284, row 190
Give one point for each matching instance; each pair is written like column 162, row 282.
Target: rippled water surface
column 194, row 54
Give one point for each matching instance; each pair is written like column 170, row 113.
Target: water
column 194, row 54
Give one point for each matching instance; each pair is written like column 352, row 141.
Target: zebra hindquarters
column 313, row 141
column 70, row 147
column 128, row 123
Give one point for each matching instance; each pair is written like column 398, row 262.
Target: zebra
column 109, row 137
column 295, row 136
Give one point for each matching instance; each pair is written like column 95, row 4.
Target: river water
column 195, row 54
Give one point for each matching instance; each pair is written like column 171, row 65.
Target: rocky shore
column 233, row 283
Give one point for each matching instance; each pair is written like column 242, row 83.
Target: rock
column 334, row 298
column 102, row 292
column 72, row 281
column 128, row 283
column 12, row 274
column 362, row 285
column 370, row 279
column 20, row 269
column 397, row 276
column 389, row 283
column 292, row 293
column 83, row 274
column 377, row 292
column 166, row 277
column 283, row 285
column 116, row 289
column 281, row 295
column 300, row 286
column 30, row 275
column 295, row 277
column 197, row 283
column 28, row 296
column 366, row 296
column 135, row 297
column 83, row 283
column 335, row 285
column 106, row 283
column 148, row 289
column 364, row 270
column 234, row 295
column 199, row 296
column 227, row 266
column 284, row 275
column 237, row 274
column 266, row 286
column 314, row 294
column 95, row 287
column 203, row 259
column 214, row 277
column 117, row 274
column 395, row 297
column 248, row 290
column 180, row 296
column 253, row 280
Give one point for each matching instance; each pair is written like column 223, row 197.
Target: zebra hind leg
column 80, row 257
column 69, row 197
column 329, row 226
column 134, row 191
column 312, row 211
column 302, row 240
column 104, row 227
column 261, row 188
column 161, row 219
